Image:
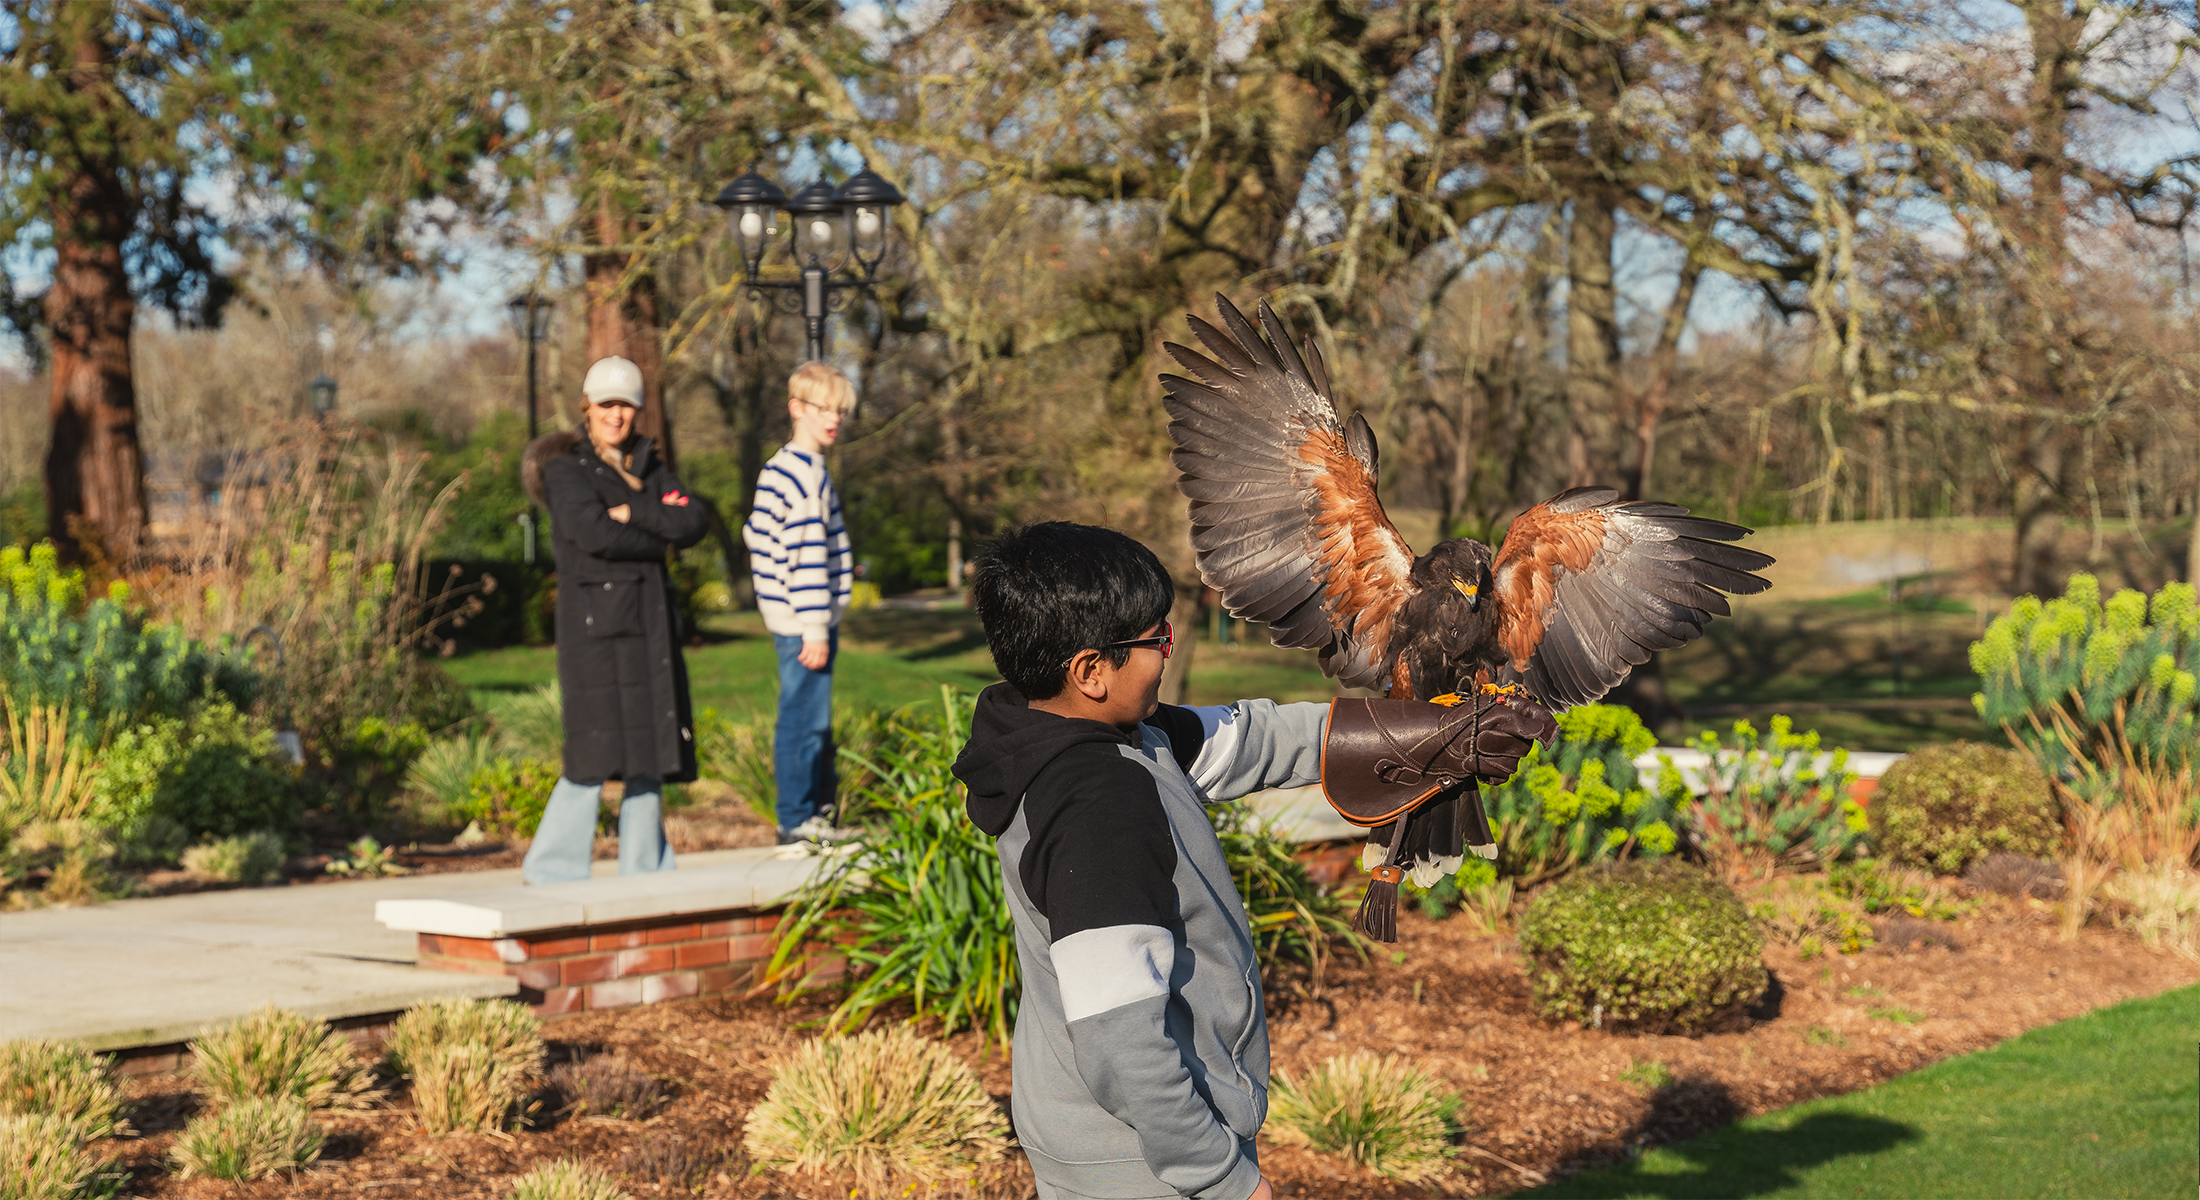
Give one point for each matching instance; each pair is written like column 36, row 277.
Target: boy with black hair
column 1141, row 1049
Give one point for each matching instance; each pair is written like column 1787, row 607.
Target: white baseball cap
column 612, row 379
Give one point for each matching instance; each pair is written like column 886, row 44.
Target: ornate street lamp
column 530, row 312
column 830, row 227
column 321, row 393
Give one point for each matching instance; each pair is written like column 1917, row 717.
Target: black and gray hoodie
column 1141, row 1053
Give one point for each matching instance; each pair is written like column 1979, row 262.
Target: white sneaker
column 818, row 829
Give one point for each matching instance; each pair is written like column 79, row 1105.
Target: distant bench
column 619, row 941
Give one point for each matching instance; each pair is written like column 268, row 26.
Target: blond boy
column 804, row 572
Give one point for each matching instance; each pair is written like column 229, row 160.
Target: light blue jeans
column 566, row 841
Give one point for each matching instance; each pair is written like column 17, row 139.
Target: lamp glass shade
column 530, row 313
column 867, row 229
column 322, row 393
column 819, row 229
column 754, row 227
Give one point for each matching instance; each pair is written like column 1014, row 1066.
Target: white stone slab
column 758, row 878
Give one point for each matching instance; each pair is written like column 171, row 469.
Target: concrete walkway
column 156, row 971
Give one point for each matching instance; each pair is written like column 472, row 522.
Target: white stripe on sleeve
column 1110, row 967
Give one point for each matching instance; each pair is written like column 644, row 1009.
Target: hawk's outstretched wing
column 1588, row 587
column 1283, row 506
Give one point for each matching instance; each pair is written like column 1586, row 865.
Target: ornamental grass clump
column 1643, row 947
column 42, row 1158
column 61, row 1080
column 919, row 908
column 249, row 1140
column 470, row 1061
column 877, row 1104
column 272, row 1054
column 2161, row 904
column 607, row 1086
column 1946, row 807
column 1383, row 1113
column 566, row 1179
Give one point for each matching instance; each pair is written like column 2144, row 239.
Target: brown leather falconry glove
column 1405, row 762
column 1383, row 758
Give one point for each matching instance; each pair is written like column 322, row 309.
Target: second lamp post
column 831, row 226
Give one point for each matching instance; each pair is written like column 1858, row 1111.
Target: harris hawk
column 1289, row 530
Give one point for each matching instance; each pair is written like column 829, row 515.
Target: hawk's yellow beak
column 1472, row 592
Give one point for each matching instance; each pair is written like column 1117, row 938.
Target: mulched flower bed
column 1541, row 1100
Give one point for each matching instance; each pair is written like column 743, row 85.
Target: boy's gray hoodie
column 1141, row 1053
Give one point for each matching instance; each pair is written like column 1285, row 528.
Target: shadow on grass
column 1732, row 1161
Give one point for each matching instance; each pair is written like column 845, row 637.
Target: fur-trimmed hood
column 541, row 451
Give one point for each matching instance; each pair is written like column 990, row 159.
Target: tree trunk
column 622, row 321
column 1592, row 339
column 95, row 480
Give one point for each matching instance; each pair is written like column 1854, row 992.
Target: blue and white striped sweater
column 802, row 578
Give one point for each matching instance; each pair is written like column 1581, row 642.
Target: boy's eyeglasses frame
column 1165, row 643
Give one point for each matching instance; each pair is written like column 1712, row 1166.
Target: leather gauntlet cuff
column 1383, row 758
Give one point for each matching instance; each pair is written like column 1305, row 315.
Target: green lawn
column 2099, row 1106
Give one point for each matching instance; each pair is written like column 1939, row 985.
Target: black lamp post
column 321, row 393
column 530, row 313
column 832, row 228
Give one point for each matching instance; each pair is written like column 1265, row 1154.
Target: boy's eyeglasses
column 1165, row 643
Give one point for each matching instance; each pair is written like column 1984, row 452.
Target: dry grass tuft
column 470, row 1061
column 42, row 1159
column 61, row 1080
column 1385, row 1114
column 566, row 1179
column 877, row 1104
column 273, row 1053
column 2016, row 876
column 251, row 1139
column 2163, row 903
column 251, row 859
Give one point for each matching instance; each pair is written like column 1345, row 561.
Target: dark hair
column 1049, row 590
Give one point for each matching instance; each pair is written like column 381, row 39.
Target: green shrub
column 61, row 1080
column 2080, row 683
column 252, row 859
column 1579, row 800
column 104, row 662
column 740, row 753
column 879, row 1104
column 372, row 760
column 1390, row 1116
column 1877, row 886
column 367, row 858
column 1767, row 803
column 566, row 1179
column 919, row 908
column 469, row 1061
column 1651, row 947
column 1944, row 807
column 275, row 1054
column 444, row 769
column 215, row 772
column 532, row 725
column 510, row 794
column 249, row 1140
column 42, row 1158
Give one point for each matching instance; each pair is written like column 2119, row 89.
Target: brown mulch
column 1541, row 1099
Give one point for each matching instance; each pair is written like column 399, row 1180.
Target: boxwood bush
column 1654, row 946
column 1945, row 807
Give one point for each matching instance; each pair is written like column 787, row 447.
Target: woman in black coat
column 615, row 510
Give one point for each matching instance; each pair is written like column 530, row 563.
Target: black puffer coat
column 619, row 665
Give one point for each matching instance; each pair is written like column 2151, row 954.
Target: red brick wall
column 636, row 962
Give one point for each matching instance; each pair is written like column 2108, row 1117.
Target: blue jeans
column 802, row 745
column 565, row 842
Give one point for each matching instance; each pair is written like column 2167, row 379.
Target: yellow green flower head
column 1476, row 873
column 2127, row 612
column 2162, row 671
column 2102, row 652
column 2174, row 606
column 1657, row 837
column 2084, row 590
column 2025, row 611
column 2180, row 687
column 1997, row 651
column 1978, row 701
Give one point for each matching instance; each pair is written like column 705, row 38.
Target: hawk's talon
column 1448, row 699
column 1501, row 689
